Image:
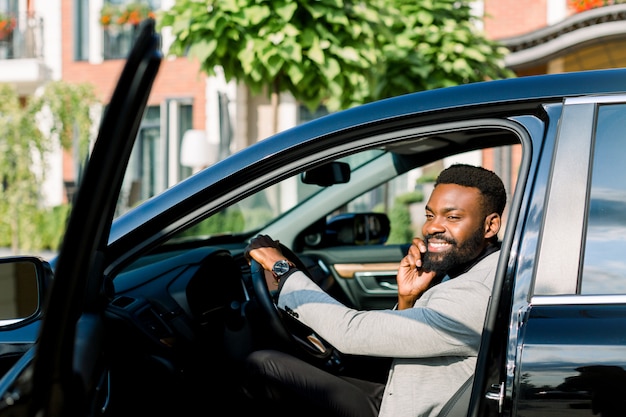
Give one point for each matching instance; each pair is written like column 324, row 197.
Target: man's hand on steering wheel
column 263, row 253
column 264, row 250
column 267, row 252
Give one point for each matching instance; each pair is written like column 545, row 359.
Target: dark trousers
column 285, row 384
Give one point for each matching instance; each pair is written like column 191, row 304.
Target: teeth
column 439, row 244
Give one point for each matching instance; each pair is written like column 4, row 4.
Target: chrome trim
column 388, row 286
column 384, row 289
column 561, row 235
column 496, row 393
column 575, row 299
column 323, row 267
column 603, row 99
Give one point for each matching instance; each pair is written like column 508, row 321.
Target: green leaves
column 69, row 106
column 280, row 44
column 336, row 52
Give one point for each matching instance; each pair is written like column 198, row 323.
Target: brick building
column 65, row 39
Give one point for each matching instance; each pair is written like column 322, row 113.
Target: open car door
column 67, row 374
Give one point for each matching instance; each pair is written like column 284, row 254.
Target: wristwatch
column 281, row 267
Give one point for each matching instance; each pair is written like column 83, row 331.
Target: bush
column 400, row 217
column 39, row 229
column 410, row 198
column 51, row 227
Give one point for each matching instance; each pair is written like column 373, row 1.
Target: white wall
column 557, row 11
column 50, row 12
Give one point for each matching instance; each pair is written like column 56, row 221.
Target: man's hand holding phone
column 412, row 279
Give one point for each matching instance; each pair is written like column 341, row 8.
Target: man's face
column 455, row 229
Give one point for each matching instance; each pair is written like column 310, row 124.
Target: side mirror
column 328, row 174
column 358, row 229
column 23, row 282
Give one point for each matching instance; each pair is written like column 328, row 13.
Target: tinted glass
column 604, row 269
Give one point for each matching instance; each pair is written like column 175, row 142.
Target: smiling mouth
column 438, row 246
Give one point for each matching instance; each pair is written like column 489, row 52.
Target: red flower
column 130, row 13
column 582, row 5
column 7, row 24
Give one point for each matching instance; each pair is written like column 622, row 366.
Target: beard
column 458, row 254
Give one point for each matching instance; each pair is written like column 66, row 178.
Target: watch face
column 280, row 267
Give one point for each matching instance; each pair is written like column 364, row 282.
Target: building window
column 184, row 123
column 9, row 29
column 118, row 24
column 119, row 21
column 118, row 41
column 154, row 162
column 81, row 29
column 146, row 169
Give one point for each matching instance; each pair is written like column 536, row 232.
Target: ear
column 493, row 222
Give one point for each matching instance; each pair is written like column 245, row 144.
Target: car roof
column 529, row 89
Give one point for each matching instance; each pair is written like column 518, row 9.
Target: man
column 433, row 336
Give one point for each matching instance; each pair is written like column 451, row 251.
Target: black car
column 153, row 312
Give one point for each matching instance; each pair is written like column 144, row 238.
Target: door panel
column 366, row 274
column 570, row 348
column 573, row 361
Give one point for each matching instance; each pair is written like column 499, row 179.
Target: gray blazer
column 434, row 344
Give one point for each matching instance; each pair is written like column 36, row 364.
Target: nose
column 433, row 226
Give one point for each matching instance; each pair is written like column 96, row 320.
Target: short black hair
column 487, row 182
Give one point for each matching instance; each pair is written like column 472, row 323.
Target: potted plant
column 109, row 14
column 125, row 14
column 134, row 13
column 583, row 5
column 7, row 24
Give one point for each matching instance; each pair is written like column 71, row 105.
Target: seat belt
column 458, row 404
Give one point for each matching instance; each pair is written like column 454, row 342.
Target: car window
column 604, row 268
column 256, row 211
column 402, row 199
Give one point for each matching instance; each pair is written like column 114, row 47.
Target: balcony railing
column 24, row 40
column 118, row 40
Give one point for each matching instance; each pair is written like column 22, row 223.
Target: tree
column 315, row 49
column 20, row 143
column 338, row 53
column 437, row 43
column 70, row 108
column 24, row 148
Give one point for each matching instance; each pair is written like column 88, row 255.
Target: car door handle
column 388, row 285
column 378, row 282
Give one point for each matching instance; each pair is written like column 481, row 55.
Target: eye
column 429, row 216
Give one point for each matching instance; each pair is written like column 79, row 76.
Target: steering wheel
column 287, row 327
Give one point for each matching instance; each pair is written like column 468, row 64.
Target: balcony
column 23, row 39
column 599, row 31
column 21, row 53
column 118, row 40
column 120, row 23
